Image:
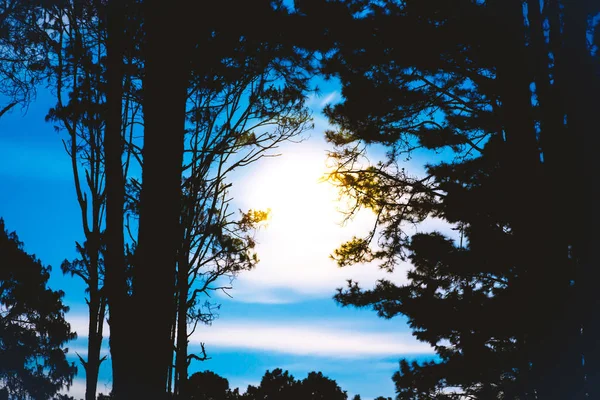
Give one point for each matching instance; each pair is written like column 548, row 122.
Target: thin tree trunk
column 94, row 339
column 181, row 364
column 115, row 278
column 171, row 374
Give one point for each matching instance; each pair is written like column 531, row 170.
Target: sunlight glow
column 303, row 230
column 291, row 187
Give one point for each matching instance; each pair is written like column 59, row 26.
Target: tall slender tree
column 77, row 75
column 116, row 14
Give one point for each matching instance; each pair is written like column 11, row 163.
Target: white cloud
column 79, row 324
column 320, row 339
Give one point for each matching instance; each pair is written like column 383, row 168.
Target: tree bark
column 558, row 155
column 526, row 201
column 582, row 105
column 164, row 105
column 96, row 319
column 181, row 363
column 115, row 279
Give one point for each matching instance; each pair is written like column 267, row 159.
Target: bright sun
column 303, row 229
column 291, row 187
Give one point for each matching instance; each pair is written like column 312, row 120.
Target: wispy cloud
column 329, row 98
column 314, row 340
column 317, row 101
column 79, row 324
column 325, row 338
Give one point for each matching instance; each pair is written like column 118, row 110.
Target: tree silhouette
column 318, row 387
column 475, row 92
column 33, row 330
column 228, row 71
column 242, row 105
column 242, row 92
column 24, row 53
column 77, row 75
column 274, row 385
column 279, row 384
column 208, row 386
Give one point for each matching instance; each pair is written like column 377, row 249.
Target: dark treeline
column 158, row 103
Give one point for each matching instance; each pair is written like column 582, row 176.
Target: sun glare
column 303, row 230
column 292, row 188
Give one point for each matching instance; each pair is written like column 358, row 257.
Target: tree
column 477, row 90
column 227, row 55
column 316, row 386
column 241, row 106
column 275, row 385
column 23, row 53
column 208, row 386
column 33, row 330
column 241, row 88
column 77, row 75
column 281, row 385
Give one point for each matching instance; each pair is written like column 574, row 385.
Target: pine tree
column 33, row 330
column 477, row 88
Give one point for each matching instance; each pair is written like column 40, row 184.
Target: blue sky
column 282, row 313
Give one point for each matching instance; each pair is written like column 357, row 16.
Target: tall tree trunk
column 115, row 278
column 582, row 105
column 526, row 198
column 558, row 156
column 164, row 105
column 181, row 363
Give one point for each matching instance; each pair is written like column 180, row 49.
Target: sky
column 279, row 315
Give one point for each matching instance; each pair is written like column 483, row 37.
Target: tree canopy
column 33, row 330
column 274, row 385
column 495, row 96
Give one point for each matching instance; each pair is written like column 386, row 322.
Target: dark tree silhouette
column 318, row 387
column 500, row 94
column 24, row 53
column 241, row 88
column 33, row 330
column 241, row 105
column 279, row 385
column 274, row 385
column 116, row 284
column 219, row 64
column 77, row 75
column 208, row 386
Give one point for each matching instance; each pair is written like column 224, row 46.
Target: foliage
column 208, row 386
column 24, row 52
column 33, row 330
column 280, row 385
column 476, row 92
column 274, row 385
